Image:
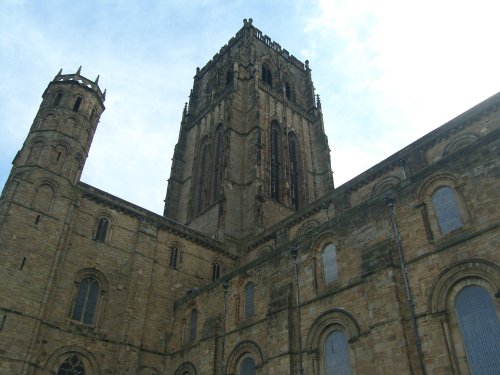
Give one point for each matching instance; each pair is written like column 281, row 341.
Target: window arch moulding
column 244, row 349
column 62, row 354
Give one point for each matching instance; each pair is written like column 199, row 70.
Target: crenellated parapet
column 77, row 78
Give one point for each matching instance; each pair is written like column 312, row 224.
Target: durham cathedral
column 259, row 264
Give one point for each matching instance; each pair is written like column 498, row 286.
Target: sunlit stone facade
column 259, row 264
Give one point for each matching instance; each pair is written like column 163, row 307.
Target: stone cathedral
column 259, row 265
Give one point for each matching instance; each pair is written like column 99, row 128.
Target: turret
column 52, row 157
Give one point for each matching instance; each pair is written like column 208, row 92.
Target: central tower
column 252, row 147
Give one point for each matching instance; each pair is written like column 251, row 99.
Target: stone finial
column 79, row 70
column 97, row 80
column 250, row 21
column 244, row 21
column 307, row 64
column 104, row 94
column 318, row 101
column 60, row 72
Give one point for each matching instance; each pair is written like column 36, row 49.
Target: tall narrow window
column 249, row 300
column 229, row 77
column 57, row 99
column 267, row 76
column 329, row 256
column 216, row 269
column 247, row 366
column 275, row 161
column 73, row 365
column 102, row 229
column 174, row 254
column 337, row 354
column 480, row 329
column 294, row 170
column 78, row 102
column 86, row 301
column 288, row 91
column 202, row 178
column 217, row 164
column 193, row 321
column 446, row 208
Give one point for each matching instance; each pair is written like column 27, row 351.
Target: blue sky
column 387, row 71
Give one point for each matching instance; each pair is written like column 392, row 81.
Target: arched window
column 57, row 99
column 35, row 152
column 247, row 366
column 78, row 102
column 446, row 209
column 216, row 271
column 174, row 254
column 329, row 255
column 102, row 229
column 267, row 76
column 249, row 300
column 87, row 297
column 480, row 329
column 337, row 354
column 294, row 170
column 202, row 178
column 193, row 321
column 44, row 198
column 73, row 365
column 217, row 164
column 275, row 161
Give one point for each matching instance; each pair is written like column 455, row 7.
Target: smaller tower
column 58, row 142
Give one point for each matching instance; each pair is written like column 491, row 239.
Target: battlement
column 248, row 26
column 82, row 81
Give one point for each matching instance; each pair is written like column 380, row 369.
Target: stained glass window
column 446, row 208
column 247, row 366
column 249, row 300
column 480, row 330
column 329, row 256
column 71, row 366
column 86, row 301
column 337, row 354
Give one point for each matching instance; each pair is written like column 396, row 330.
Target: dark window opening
column 174, row 253
column 78, row 102
column 23, row 262
column 58, row 156
column 229, row 78
column 102, row 229
column 294, row 171
column 86, row 301
column 72, row 366
column 216, row 270
column 217, row 172
column 193, row 321
column 249, row 300
column 37, row 219
column 57, row 99
column 2, row 323
column 275, row 162
column 202, row 183
column 267, row 76
column 288, row 91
